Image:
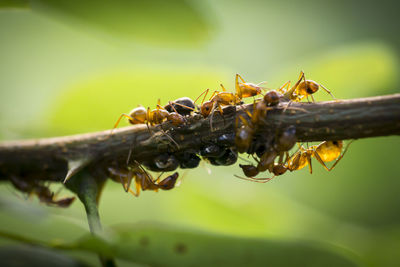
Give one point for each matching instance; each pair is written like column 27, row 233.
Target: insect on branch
column 52, row 158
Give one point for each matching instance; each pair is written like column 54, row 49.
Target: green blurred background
column 68, row 67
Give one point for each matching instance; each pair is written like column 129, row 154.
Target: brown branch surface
column 50, row 159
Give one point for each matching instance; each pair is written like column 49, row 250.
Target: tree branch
column 50, row 159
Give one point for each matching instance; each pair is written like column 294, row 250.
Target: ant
column 324, row 152
column 244, row 89
column 284, row 142
column 217, row 99
column 143, row 180
column 244, row 134
column 250, row 171
column 42, row 192
column 158, row 115
column 303, row 89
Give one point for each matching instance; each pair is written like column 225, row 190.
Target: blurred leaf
column 22, row 255
column 156, row 21
column 97, row 103
column 157, row 246
column 14, row 4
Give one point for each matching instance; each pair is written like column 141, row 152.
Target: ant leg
column 341, row 156
column 329, row 92
column 215, row 92
column 118, row 121
column 290, row 92
column 264, row 82
column 223, row 88
column 237, row 87
column 170, row 138
column 178, row 104
column 240, row 77
column 212, row 116
column 149, row 119
column 318, row 157
column 337, row 160
column 206, row 92
column 309, row 163
column 244, row 121
column 287, row 85
column 137, row 193
column 256, row 180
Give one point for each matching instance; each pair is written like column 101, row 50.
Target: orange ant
column 217, row 99
column 303, row 89
column 158, row 115
column 324, row 152
column 42, row 192
column 143, row 180
column 244, row 89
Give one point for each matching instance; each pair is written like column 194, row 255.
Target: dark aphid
column 212, row 151
column 188, row 160
column 287, row 139
column 163, row 163
column 184, row 106
column 226, row 139
column 229, row 157
column 244, row 136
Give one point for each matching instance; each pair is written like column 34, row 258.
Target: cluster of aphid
column 270, row 154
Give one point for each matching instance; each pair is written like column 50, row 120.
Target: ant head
column 206, row 108
column 249, row 170
column 271, row 98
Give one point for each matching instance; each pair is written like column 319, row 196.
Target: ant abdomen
column 169, row 182
column 138, row 115
column 308, row 87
